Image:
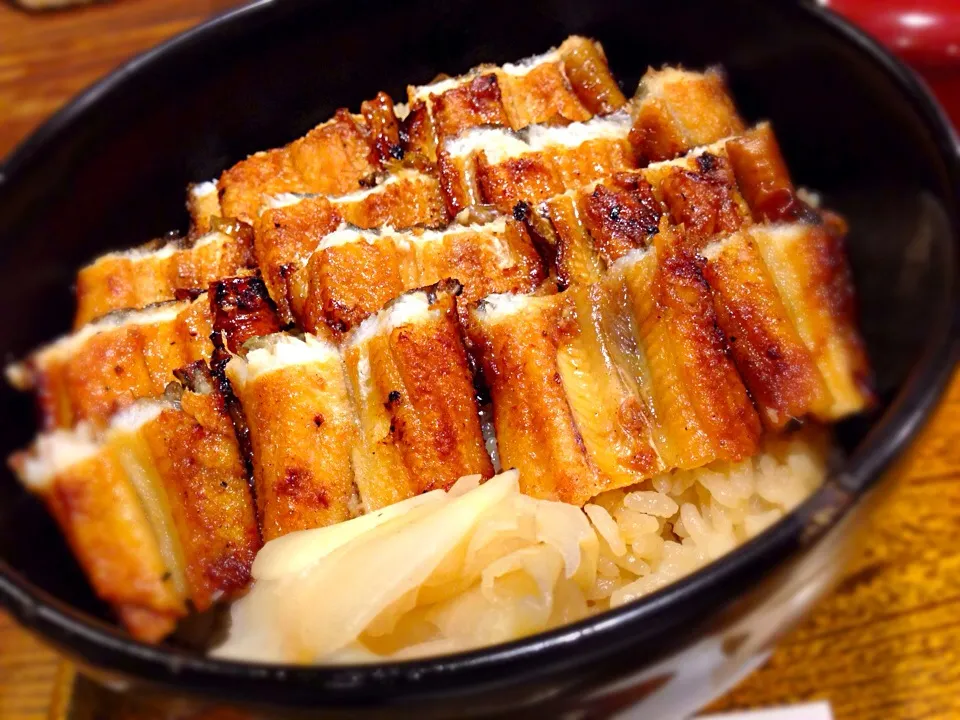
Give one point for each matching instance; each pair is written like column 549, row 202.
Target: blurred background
column 886, row 644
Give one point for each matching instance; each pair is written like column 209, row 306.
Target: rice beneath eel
column 482, row 564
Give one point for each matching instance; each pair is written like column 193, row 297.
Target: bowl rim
column 107, row 647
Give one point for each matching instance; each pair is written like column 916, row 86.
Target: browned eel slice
column 156, row 506
column 677, row 110
column 335, row 157
column 290, row 408
column 354, row 272
column 108, row 364
column 302, row 429
column 85, row 485
column 594, row 225
column 807, row 266
column 153, row 273
column 410, row 379
column 602, row 386
column 712, row 197
column 291, row 226
column 517, row 337
column 504, row 168
column 569, row 84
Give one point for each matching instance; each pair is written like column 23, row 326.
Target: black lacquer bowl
column 110, row 170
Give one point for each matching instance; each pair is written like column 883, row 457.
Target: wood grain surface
column 885, row 645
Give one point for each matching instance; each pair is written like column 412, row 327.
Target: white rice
column 656, row 533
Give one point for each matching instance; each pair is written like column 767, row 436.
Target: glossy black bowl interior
column 110, row 172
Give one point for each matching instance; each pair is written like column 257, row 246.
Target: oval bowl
column 110, row 169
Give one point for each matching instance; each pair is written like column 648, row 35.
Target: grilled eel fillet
column 392, row 415
column 353, row 273
column 346, row 153
column 767, row 301
column 290, row 227
column 411, row 381
column 485, row 165
column 603, row 386
column 501, row 167
column 677, row 110
column 335, row 157
column 674, row 111
column 155, row 506
column 154, row 273
column 302, row 427
column 293, row 414
column 593, row 226
column 569, row 84
column 786, row 289
column 108, row 364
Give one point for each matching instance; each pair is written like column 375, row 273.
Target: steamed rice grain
column 703, row 514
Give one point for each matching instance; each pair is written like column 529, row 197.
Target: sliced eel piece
column 203, row 205
column 517, row 338
column 494, row 257
column 458, row 180
column 596, row 226
column 417, row 135
column 411, row 381
column 291, row 226
column 87, row 489
column 718, row 188
column 610, row 417
column 538, row 89
column 576, row 258
column 568, row 84
column 700, row 409
column 678, row 110
column 194, row 450
column 352, row 274
column 586, row 69
column 501, row 167
column 153, row 273
column 108, row 364
column 704, row 199
column 355, row 273
column 302, row 429
column 763, row 178
column 286, row 235
column 404, row 199
column 777, row 368
column 156, row 505
column 241, row 309
column 335, row 157
column 474, row 102
column 384, row 128
column 621, row 214
column 808, row 265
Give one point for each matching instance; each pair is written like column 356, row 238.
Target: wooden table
column 886, row 644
